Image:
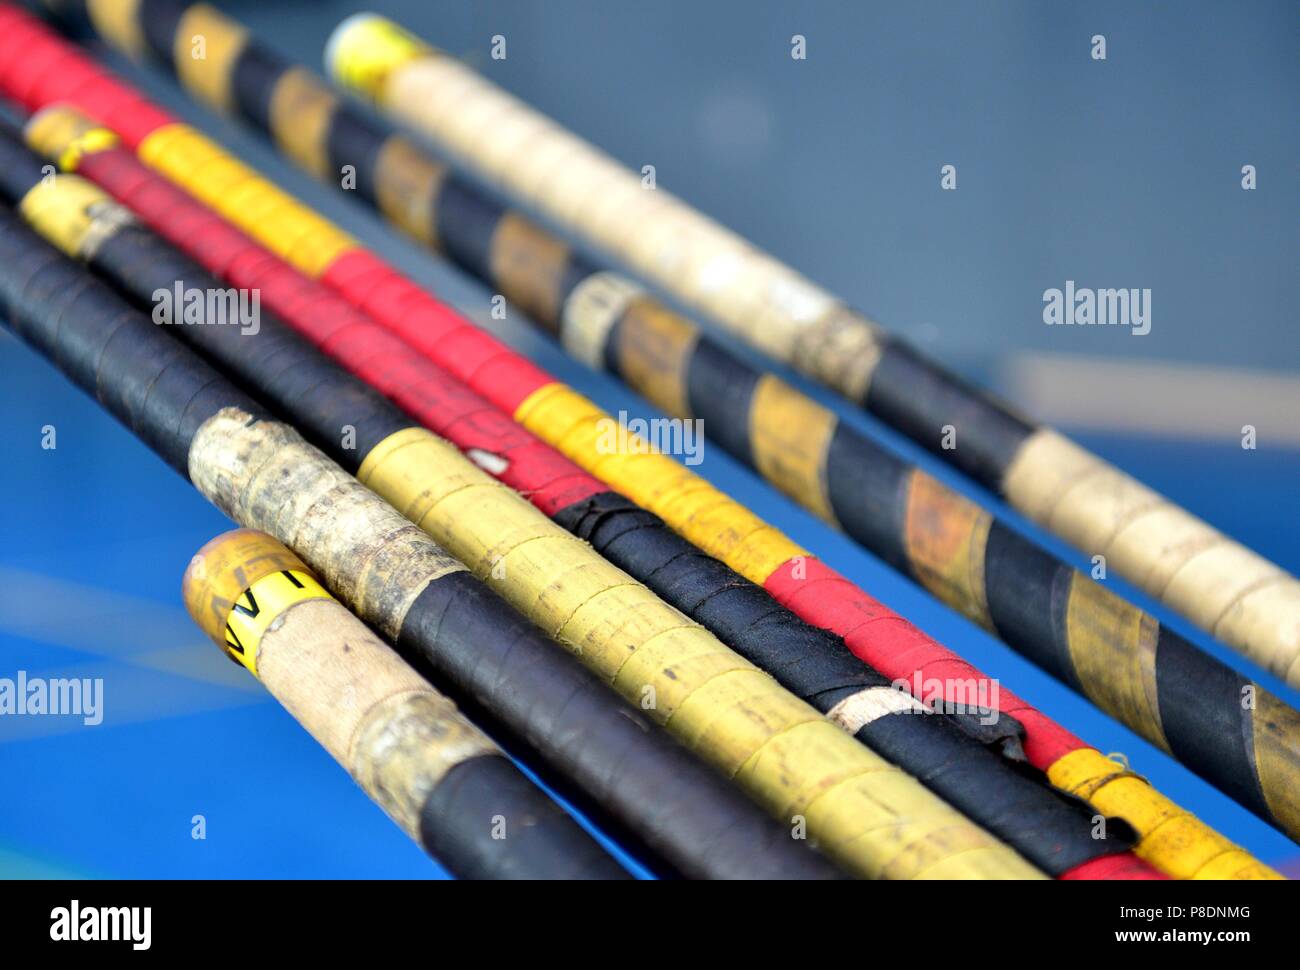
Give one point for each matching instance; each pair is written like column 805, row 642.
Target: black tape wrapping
column 462, row 633
column 867, row 487
column 466, row 221
column 719, row 389
column 20, row 168
column 1028, row 591
column 274, row 363
column 808, row 661
column 160, row 20
column 485, row 820
column 1008, row 799
column 256, row 71
column 914, row 395
column 352, row 140
column 1205, row 720
column 146, row 380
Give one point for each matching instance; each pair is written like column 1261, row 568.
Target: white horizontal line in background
column 1145, row 397
column 131, row 695
column 106, row 623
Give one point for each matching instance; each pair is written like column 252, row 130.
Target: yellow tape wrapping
column 65, row 135
column 790, row 435
column 1113, row 649
column 728, row 711
column 407, row 181
column 118, row 22
column 1173, row 839
column 722, row 527
column 301, row 111
column 946, row 535
column 226, row 566
column 275, row 219
column 205, row 47
column 1276, row 723
column 654, row 351
column 528, row 264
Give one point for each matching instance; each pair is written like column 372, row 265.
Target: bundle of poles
column 692, row 678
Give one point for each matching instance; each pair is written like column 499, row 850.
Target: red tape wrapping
column 370, row 351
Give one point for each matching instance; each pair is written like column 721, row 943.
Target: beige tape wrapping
column 698, row 260
column 1217, row 583
column 265, row 476
column 872, row 703
column 591, row 311
column 394, row 733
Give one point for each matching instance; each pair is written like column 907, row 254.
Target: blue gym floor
column 828, row 169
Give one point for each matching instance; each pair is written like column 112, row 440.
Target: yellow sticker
column 94, row 140
column 260, row 605
column 65, row 135
column 365, row 48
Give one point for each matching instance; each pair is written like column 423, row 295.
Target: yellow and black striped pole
column 439, row 777
column 1226, row 589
